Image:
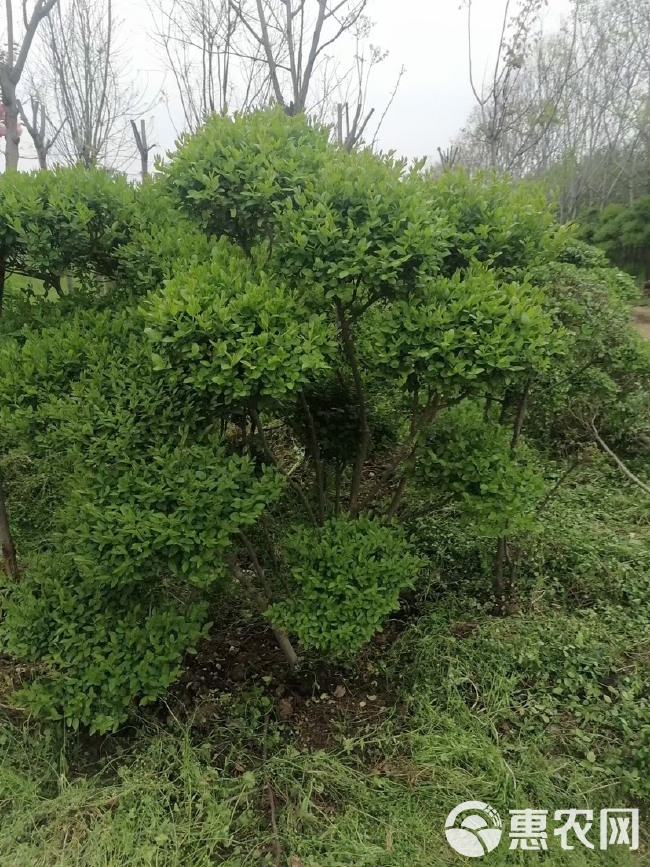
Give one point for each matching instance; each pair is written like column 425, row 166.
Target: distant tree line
column 571, row 108
column 68, row 79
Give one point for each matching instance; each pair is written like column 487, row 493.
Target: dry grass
column 641, row 320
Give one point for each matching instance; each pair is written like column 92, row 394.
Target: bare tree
column 352, row 112
column 294, row 36
column 213, row 65
column 41, row 129
column 495, row 96
column 449, row 157
column 577, row 113
column 12, row 65
column 92, row 86
column 310, row 56
column 509, row 121
column 144, row 149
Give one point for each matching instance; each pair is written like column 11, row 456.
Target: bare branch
column 619, row 463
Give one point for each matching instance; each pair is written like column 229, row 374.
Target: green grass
column 170, row 804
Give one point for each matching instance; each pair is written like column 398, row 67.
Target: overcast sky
column 428, row 37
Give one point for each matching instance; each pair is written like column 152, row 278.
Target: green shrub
column 602, row 373
column 222, row 329
column 347, row 576
column 464, row 335
column 230, row 175
column 275, row 329
column 99, row 649
column 496, row 488
column 507, row 226
column 622, row 232
column 66, row 221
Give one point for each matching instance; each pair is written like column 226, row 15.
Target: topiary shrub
column 199, row 392
column 347, row 578
column 494, row 486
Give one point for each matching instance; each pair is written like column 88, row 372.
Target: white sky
column 428, row 37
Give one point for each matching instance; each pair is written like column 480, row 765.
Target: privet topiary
column 264, row 352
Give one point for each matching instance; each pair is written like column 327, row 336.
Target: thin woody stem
column 271, row 457
column 503, row 553
column 364, row 428
column 262, row 604
column 315, row 452
column 619, row 463
column 407, row 450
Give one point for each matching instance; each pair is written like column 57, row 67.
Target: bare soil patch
column 641, row 321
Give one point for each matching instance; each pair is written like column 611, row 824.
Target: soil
column 641, row 320
column 319, row 706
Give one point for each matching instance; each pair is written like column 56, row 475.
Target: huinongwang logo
column 473, row 829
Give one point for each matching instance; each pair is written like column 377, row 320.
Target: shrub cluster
column 275, row 332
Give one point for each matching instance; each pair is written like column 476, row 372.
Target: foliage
column 161, row 239
column 474, row 715
column 222, row 329
column 270, row 340
column 141, row 510
column 232, row 172
column 101, row 647
column 347, row 577
column 466, row 334
column 506, row 226
column 622, row 232
column 68, row 221
column 369, row 232
column 497, row 487
column 602, row 373
column 570, row 671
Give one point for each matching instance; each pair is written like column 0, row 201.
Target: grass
column 168, row 804
column 545, row 709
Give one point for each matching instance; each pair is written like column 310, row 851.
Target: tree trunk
column 503, row 591
column 262, row 604
column 12, row 139
column 42, row 157
column 140, row 136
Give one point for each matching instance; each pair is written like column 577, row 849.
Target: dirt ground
column 641, row 318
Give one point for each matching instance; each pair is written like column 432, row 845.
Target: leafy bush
column 68, row 221
column 222, row 329
column 367, row 233
column 275, row 330
column 348, row 576
column 602, row 374
column 102, row 648
column 622, row 232
column 506, row 226
column 497, row 487
column 231, row 173
column 466, row 333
